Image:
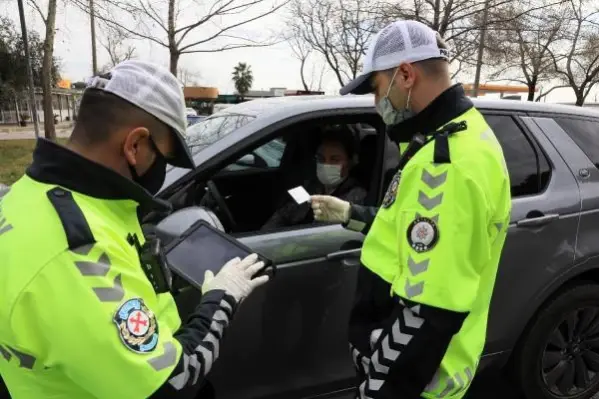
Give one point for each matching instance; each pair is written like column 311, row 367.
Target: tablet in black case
column 202, row 248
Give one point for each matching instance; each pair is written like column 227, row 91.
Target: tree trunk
column 579, row 98
column 174, row 61
column 92, row 23
column 532, row 86
column 303, row 63
column 49, row 130
column 172, row 41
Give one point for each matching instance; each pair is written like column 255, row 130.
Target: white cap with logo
column 397, row 43
column 155, row 90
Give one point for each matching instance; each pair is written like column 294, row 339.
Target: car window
column 528, row 168
column 585, row 133
column 209, row 130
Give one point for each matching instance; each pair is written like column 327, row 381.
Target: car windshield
column 209, row 130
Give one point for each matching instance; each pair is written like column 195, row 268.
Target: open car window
column 212, row 129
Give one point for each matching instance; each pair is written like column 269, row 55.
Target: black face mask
column 154, row 177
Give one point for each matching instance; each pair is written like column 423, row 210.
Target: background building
column 201, row 99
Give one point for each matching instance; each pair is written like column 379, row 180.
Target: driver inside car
column 334, row 158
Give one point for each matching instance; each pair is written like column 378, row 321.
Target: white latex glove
column 330, row 209
column 235, row 278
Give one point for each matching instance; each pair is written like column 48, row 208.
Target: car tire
column 560, row 347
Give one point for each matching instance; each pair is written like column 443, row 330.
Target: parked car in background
column 193, row 119
column 289, row 339
column 190, row 111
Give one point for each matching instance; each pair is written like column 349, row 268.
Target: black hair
column 342, row 135
column 102, row 113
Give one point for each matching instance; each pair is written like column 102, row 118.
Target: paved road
column 31, row 135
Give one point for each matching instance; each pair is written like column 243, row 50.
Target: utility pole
column 481, row 49
column 32, row 105
column 93, row 32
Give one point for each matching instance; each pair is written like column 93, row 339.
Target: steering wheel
column 222, row 205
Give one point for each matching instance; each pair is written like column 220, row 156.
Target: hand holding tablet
column 236, row 277
column 203, row 252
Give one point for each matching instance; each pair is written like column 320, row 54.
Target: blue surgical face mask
column 387, row 111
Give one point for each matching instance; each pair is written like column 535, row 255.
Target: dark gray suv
column 289, row 339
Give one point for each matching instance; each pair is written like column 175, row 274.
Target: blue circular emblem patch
column 137, row 326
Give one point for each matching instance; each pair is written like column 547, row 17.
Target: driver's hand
column 235, row 278
column 330, row 209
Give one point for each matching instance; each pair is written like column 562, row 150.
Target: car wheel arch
column 589, row 274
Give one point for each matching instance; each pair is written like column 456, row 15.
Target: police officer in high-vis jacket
column 431, row 252
column 79, row 318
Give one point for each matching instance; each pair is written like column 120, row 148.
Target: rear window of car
column 585, row 133
column 212, row 129
column 528, row 167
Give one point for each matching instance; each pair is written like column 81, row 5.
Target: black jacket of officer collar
column 55, row 164
column 447, row 106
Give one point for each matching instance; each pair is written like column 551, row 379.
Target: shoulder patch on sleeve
column 423, row 234
column 137, row 326
column 391, row 193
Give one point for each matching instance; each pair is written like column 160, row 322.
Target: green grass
column 15, row 156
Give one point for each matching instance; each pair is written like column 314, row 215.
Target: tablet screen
column 203, row 249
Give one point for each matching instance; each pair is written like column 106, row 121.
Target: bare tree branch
column 338, row 30
column 172, row 34
column 114, row 42
column 540, row 96
column 37, row 8
column 522, row 44
column 576, row 59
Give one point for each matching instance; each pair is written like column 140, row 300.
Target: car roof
column 264, row 107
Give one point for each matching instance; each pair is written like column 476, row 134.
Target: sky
column 272, row 66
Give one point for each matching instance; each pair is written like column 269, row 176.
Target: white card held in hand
column 299, row 194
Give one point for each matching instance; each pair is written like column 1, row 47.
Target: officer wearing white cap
column 79, row 316
column 431, row 252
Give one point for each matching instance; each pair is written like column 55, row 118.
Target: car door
column 542, row 234
column 581, row 151
column 290, row 339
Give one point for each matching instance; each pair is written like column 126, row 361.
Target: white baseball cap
column 155, row 90
column 397, row 43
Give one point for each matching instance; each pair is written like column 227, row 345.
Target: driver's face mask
column 387, row 111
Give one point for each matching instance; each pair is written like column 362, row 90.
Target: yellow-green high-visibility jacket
column 78, row 316
column 436, row 243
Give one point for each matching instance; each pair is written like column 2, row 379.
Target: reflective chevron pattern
column 192, row 367
column 25, row 361
column 101, row 267
column 417, row 267
column 389, row 347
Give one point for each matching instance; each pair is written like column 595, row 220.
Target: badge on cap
column 137, row 326
column 423, row 234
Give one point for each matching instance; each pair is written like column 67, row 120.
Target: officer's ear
column 406, row 75
column 136, row 145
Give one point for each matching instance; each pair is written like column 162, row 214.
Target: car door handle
column 537, row 221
